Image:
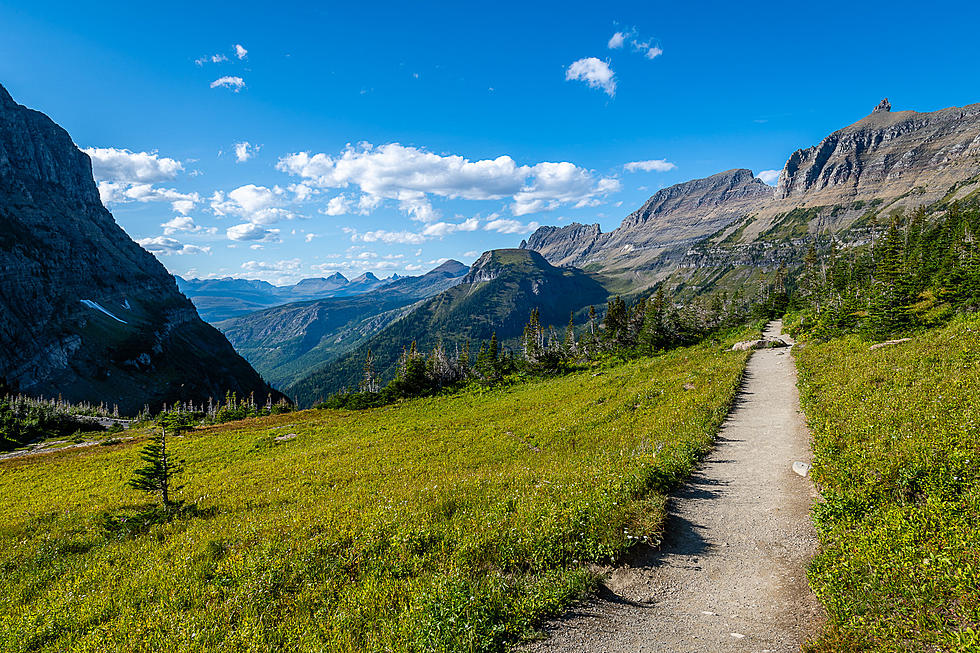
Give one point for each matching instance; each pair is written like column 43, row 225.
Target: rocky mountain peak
column 492, row 264
column 902, row 150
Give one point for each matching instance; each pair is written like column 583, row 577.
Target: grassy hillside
column 496, row 297
column 896, row 443
column 445, row 524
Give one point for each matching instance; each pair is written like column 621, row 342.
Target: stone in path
column 730, row 575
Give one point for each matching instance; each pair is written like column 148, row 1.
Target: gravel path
column 730, row 575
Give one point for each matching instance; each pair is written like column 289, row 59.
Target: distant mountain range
column 228, row 297
column 88, row 314
column 85, row 312
column 496, row 296
column 286, row 342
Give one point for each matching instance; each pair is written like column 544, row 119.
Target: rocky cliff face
column 885, row 163
column 661, row 229
column 84, row 311
column 886, row 154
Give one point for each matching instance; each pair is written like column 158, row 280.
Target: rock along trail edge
column 730, row 575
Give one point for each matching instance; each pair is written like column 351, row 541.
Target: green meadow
column 897, row 445
column 453, row 523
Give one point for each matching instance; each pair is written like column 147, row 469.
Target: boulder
column 764, row 343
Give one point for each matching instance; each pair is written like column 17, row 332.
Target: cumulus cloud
column 410, row 175
column 165, row 245
column 248, row 231
column 234, row 83
column 245, row 151
column 616, row 41
column 558, row 183
column 594, row 72
column 652, row 165
column 241, row 52
column 184, row 223
column 338, row 205
column 507, row 226
column 440, row 229
column 769, row 176
column 214, row 58
column 277, row 272
column 390, row 237
column 647, row 47
column 257, row 204
column 127, row 176
column 126, row 166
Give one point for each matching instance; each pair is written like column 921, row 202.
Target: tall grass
column 443, row 524
column 896, row 444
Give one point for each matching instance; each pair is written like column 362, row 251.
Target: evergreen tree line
column 646, row 326
column 916, row 273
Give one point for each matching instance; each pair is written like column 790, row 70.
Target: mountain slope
column 495, row 296
column 720, row 232
column 660, row 230
column 85, row 312
column 285, row 342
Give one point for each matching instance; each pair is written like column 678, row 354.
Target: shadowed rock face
column 85, row 312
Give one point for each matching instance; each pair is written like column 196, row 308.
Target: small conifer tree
column 155, row 477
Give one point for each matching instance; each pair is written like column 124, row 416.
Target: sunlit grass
column 897, row 443
column 451, row 523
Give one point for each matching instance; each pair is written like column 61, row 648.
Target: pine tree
column 155, row 477
column 569, row 344
column 369, row 383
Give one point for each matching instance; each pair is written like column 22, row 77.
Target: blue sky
column 386, row 137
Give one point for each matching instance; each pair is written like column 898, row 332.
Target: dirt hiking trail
column 730, row 575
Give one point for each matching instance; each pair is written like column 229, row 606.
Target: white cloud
column 128, row 167
column 127, row 176
column 409, row 175
column 235, row 83
column 557, row 183
column 419, row 209
column 390, row 237
column 257, row 204
column 440, row 229
column 647, row 47
column 769, row 176
column 241, row 52
column 507, row 226
column 277, row 272
column 652, row 165
column 397, row 172
column 339, row 205
column 186, row 224
column 165, row 245
column 309, row 237
column 214, row 58
column 245, row 151
column 594, row 72
column 252, row 231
